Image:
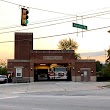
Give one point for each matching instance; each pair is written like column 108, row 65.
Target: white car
column 3, row 78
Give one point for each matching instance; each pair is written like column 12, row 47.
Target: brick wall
column 57, row 54
column 85, row 64
column 13, row 64
column 23, row 45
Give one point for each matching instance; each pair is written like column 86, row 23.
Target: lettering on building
column 52, row 57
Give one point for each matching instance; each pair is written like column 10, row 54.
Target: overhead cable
column 61, row 34
column 37, row 8
column 35, row 27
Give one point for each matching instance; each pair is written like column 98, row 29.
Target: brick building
column 28, row 62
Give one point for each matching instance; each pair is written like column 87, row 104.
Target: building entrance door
column 85, row 76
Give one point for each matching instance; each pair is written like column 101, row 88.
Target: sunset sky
column 53, row 19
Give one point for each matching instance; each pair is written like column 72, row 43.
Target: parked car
column 3, row 78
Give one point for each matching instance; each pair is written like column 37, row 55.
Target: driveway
column 50, row 86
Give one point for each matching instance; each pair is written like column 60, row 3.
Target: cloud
column 98, row 56
column 99, row 53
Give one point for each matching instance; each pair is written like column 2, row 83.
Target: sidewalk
column 50, row 86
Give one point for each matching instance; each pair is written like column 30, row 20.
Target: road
column 63, row 96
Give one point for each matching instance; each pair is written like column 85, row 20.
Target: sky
column 53, row 19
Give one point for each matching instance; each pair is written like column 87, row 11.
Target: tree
column 106, row 70
column 108, row 56
column 69, row 44
column 3, row 69
column 77, row 56
column 98, row 66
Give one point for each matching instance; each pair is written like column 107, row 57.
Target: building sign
column 52, row 57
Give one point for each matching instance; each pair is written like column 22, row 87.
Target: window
column 18, row 72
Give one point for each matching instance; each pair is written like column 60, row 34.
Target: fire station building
column 28, row 64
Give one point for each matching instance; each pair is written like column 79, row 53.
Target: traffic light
column 24, row 16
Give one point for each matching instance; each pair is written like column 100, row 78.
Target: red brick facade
column 23, row 45
column 27, row 59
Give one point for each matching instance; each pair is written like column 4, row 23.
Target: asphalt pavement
column 62, row 86
column 55, row 96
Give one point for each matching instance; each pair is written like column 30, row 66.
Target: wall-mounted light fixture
column 31, row 69
column 42, row 64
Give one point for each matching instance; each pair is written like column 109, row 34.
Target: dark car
column 3, row 78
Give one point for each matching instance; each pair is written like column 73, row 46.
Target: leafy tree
column 77, row 56
column 2, row 63
column 108, row 56
column 98, row 66
column 106, row 70
column 69, row 44
column 3, row 69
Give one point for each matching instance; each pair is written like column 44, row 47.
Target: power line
column 44, row 10
column 95, row 10
column 61, row 34
column 75, row 32
column 38, row 8
column 10, row 2
column 51, row 11
column 97, row 14
column 103, row 18
column 40, row 22
column 52, row 24
column 54, row 19
column 35, row 27
column 37, row 22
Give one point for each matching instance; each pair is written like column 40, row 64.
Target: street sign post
column 79, row 26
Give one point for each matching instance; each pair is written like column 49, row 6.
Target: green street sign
column 79, row 26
